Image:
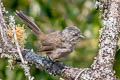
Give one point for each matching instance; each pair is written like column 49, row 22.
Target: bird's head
column 71, row 34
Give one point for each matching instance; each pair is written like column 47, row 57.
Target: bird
column 56, row 44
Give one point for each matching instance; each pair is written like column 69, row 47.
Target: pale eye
column 76, row 34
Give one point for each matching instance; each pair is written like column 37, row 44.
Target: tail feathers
column 30, row 24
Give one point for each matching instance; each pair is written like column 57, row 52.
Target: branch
column 55, row 68
column 6, row 45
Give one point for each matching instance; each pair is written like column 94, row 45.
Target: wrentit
column 56, row 44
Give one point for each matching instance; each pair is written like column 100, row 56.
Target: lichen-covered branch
column 55, row 68
column 108, row 40
column 6, row 45
column 102, row 67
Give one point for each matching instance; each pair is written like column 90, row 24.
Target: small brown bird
column 56, row 44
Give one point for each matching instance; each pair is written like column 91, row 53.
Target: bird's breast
column 52, row 39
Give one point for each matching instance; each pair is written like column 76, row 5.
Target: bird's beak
column 81, row 36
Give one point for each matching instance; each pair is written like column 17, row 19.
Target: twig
column 78, row 75
column 24, row 63
column 12, row 25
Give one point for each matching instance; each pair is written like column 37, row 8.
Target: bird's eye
column 76, row 34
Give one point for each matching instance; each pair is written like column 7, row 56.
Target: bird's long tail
column 30, row 24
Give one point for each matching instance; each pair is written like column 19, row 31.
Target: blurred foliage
column 52, row 15
column 117, row 63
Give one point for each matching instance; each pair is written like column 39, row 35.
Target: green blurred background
column 52, row 15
